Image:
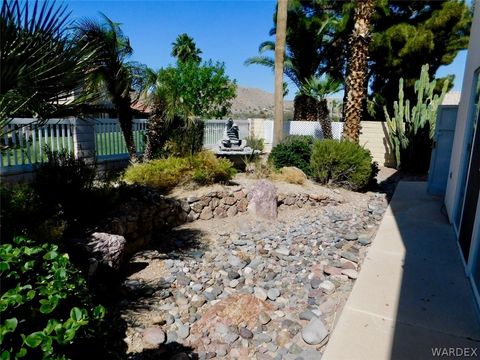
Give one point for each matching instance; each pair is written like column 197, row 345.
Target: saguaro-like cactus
column 411, row 130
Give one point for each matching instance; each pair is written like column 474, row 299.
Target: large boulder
column 107, row 249
column 263, row 200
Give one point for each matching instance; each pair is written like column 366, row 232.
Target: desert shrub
column 209, row 169
column 291, row 175
column 342, row 163
column 203, row 168
column 255, row 143
column 46, row 310
column 295, row 150
column 162, row 174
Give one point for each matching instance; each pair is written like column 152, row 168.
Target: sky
column 227, row 31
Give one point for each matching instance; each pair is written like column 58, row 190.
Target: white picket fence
column 24, row 143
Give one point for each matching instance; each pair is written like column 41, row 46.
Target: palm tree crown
column 185, row 49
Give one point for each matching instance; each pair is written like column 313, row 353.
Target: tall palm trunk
column 156, row 134
column 324, row 118
column 125, row 118
column 279, row 59
column 357, row 65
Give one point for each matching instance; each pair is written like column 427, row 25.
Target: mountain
column 253, row 102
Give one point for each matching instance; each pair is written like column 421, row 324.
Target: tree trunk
column 279, row 59
column 155, row 134
column 305, row 108
column 356, row 82
column 324, row 118
column 125, row 118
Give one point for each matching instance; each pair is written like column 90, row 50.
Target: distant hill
column 253, row 102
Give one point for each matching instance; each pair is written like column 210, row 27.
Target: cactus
column 409, row 128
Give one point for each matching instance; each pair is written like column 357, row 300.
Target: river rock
column 315, row 332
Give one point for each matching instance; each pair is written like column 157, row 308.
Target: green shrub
column 203, row 168
column 295, row 150
column 209, row 169
column 46, row 310
column 342, row 163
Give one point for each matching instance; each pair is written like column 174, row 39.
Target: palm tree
column 40, row 66
column 309, row 29
column 318, row 89
column 279, row 59
column 357, row 65
column 185, row 49
column 113, row 74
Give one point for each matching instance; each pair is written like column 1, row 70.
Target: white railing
column 312, row 128
column 214, row 130
column 109, row 140
column 24, row 143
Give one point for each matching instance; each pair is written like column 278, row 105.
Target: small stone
column 315, row 283
column 192, row 199
column 350, row 237
column 198, row 300
column 245, row 333
column 332, row 270
column 273, row 294
column 232, row 275
column 183, row 331
column 315, row 332
column 283, row 251
column 350, row 256
column 352, row 274
column 181, row 300
column 154, row 335
column 206, row 214
column 306, row 315
column 230, row 338
column 327, row 287
column 283, row 337
column 233, row 284
column 264, row 318
column 364, row 240
column 260, row 293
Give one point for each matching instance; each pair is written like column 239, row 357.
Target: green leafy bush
column 295, row 150
column 46, row 310
column 203, row 168
column 342, row 163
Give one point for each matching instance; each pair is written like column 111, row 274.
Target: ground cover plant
column 46, row 308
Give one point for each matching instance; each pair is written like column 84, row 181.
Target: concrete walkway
column 412, row 295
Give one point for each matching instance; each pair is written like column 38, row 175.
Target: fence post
column 84, row 139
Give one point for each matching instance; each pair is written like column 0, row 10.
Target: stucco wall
column 373, row 137
column 464, row 117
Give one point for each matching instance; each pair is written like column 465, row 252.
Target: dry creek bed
column 245, row 288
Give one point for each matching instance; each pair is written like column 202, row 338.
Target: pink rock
column 263, row 201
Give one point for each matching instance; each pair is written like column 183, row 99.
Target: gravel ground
column 243, row 288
